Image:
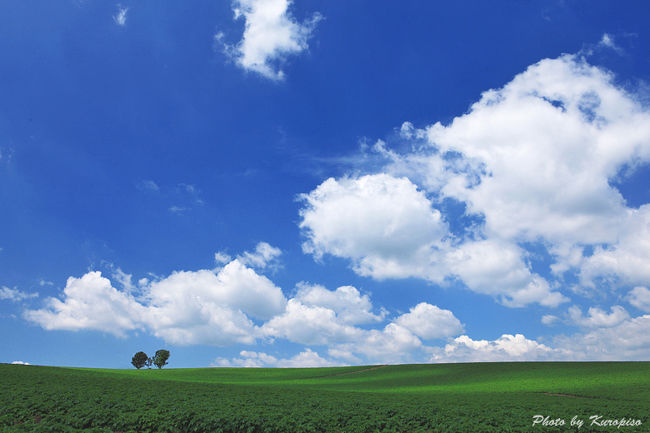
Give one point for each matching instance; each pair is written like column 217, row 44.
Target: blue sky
column 273, row 183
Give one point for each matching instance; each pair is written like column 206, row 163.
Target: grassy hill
column 487, row 397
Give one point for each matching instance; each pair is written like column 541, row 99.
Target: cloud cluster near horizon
column 234, row 304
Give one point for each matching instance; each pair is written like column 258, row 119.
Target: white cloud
column 505, row 348
column 549, row 319
column 607, row 41
column 90, row 303
column 263, row 256
column 543, row 149
column 317, row 316
column 389, row 229
column 541, row 153
column 187, row 307
column 120, row 16
column 271, row 34
column 310, row 325
column 428, row 322
column 629, row 340
column 496, row 268
column 384, row 224
column 533, row 162
column 208, row 308
column 392, row 345
column 248, row 359
column 221, row 258
column 148, row 185
column 345, row 355
column 125, row 280
column 598, row 318
column 605, row 336
column 178, row 210
column 306, row 359
column 15, row 295
column 626, row 261
column 640, row 298
column 349, row 305
column 20, row 363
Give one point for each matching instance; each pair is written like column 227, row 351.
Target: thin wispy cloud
column 15, row 295
column 120, row 17
column 148, row 185
column 178, row 210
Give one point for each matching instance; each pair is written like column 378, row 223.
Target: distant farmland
column 488, row 397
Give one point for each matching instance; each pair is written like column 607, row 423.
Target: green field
column 486, row 397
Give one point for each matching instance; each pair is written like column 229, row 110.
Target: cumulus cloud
column 346, row 301
column 626, row 261
column 233, row 304
column 428, row 322
column 497, row 268
column 15, row 295
column 560, row 126
column 540, row 154
column 305, row 359
column 388, row 228
column 310, row 325
column 271, row 34
column 20, row 363
column 505, row 348
column 597, row 318
column 317, row 316
column 384, row 224
column 392, row 345
column 263, row 256
column 640, row 298
column 628, row 340
column 202, row 307
column 89, row 303
column 186, row 307
column 535, row 161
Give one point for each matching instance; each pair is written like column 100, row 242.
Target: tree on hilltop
column 160, row 358
column 139, row 360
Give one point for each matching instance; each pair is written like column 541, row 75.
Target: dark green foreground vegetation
column 494, row 397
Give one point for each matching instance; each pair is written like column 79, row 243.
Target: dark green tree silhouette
column 139, row 360
column 160, row 358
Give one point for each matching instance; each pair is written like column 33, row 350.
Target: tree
column 160, row 358
column 139, row 360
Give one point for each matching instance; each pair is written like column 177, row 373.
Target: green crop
column 489, row 397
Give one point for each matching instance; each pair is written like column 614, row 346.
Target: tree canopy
column 139, row 360
column 160, row 358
